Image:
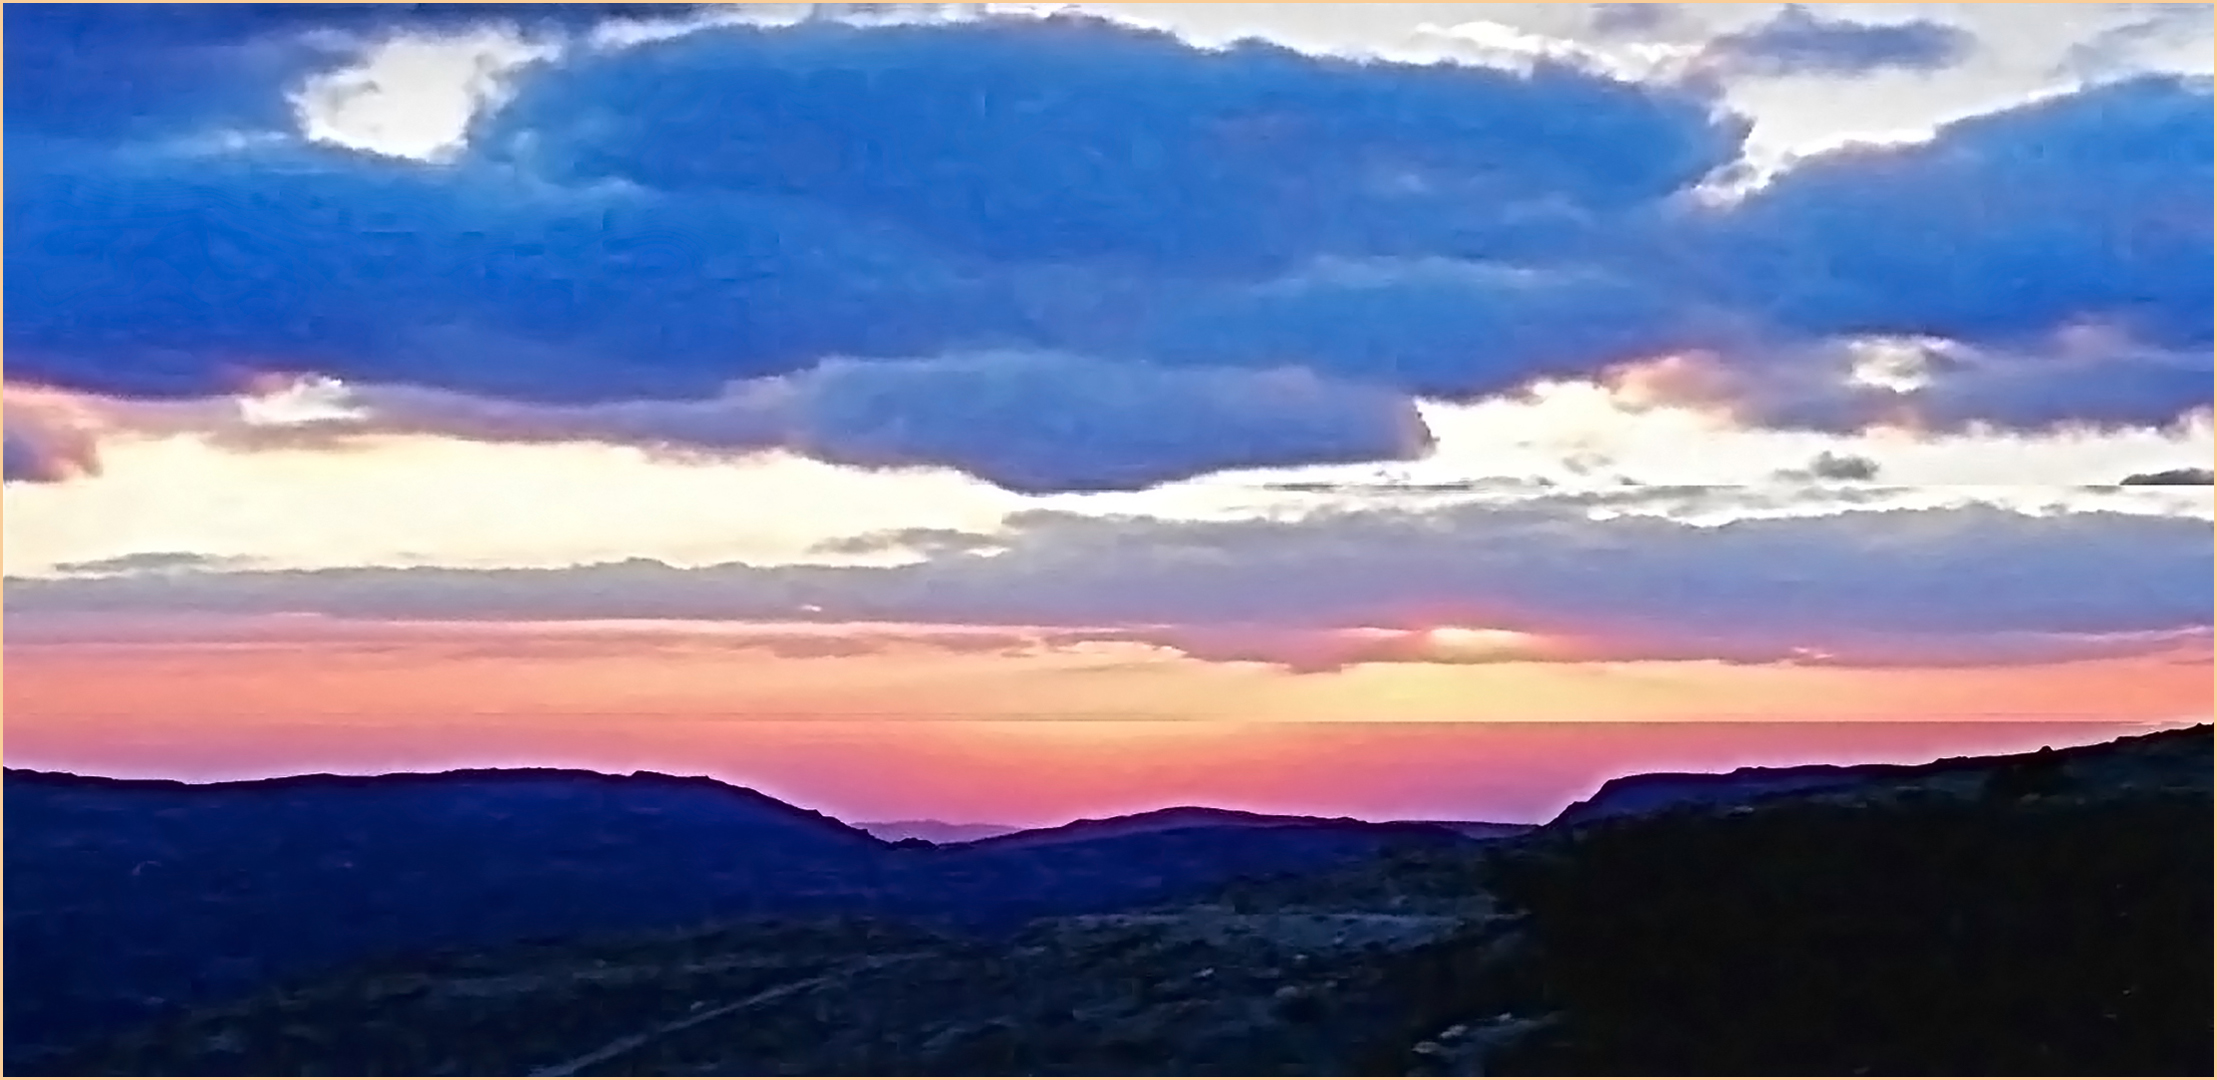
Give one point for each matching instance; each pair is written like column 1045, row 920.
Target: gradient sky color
column 985, row 412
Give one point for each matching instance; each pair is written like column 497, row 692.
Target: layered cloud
column 2153, row 29
column 2185, row 477
column 1065, row 253
column 1798, row 41
column 1544, row 579
column 1028, row 422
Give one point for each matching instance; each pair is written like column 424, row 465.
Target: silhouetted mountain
column 1203, row 817
column 2041, row 914
column 1157, row 821
column 1481, row 830
column 1649, row 793
column 936, row 832
column 123, row 896
column 126, row 897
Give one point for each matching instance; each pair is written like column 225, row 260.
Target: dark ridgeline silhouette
column 1951, row 938
column 2042, row 913
column 129, row 897
column 1175, row 818
column 934, row 832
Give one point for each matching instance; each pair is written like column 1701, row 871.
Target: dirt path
column 627, row 1044
column 1319, row 930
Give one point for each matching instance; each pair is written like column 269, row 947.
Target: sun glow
column 1471, row 640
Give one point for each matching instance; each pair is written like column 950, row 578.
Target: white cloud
column 213, row 477
column 412, row 97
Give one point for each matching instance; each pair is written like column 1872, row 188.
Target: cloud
column 102, row 71
column 923, row 541
column 1828, row 465
column 24, row 463
column 2050, row 265
column 1073, row 139
column 1029, row 422
column 46, row 443
column 1490, row 485
column 2120, row 51
column 1955, row 582
column 1633, row 20
column 2171, row 477
column 902, row 208
column 2085, row 209
column 153, row 562
column 1798, row 41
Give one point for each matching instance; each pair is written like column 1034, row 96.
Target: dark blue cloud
column 1028, row 421
column 1067, row 139
column 2084, row 208
column 824, row 189
column 173, row 274
column 656, row 222
column 108, row 70
column 1797, row 41
column 1443, row 328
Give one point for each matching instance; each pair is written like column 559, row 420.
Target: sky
column 1020, row 412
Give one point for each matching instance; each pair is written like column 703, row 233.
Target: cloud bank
column 1068, row 254
column 1894, row 586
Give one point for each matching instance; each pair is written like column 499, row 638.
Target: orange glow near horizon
column 932, row 674
column 1031, row 773
column 1478, row 641
column 928, row 725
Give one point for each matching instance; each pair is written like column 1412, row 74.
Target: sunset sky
column 1011, row 413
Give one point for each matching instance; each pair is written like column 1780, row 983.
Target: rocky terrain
column 2041, row 914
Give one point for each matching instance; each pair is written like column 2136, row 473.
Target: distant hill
column 2039, row 914
column 1649, row 793
column 1203, row 817
column 126, row 898
column 947, row 834
column 1481, row 830
column 937, row 832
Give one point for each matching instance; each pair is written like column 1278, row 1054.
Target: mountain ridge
column 2076, row 880
column 300, row 782
column 1653, row 791
column 220, row 887
column 130, row 898
column 934, row 831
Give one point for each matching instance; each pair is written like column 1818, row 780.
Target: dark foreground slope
column 126, row 899
column 2156, row 759
column 2031, row 915
column 1974, row 938
column 2035, row 914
